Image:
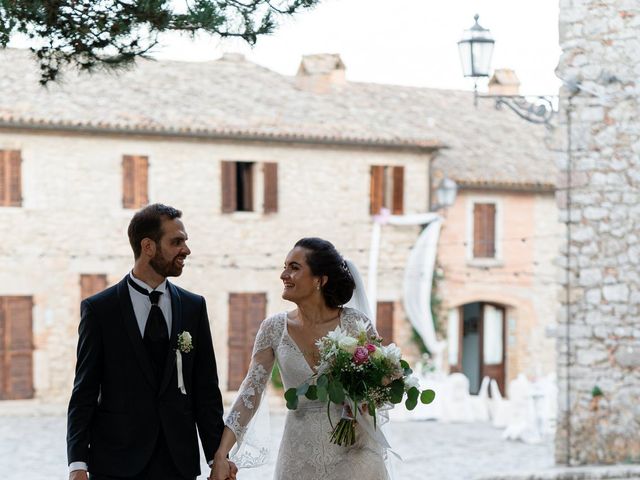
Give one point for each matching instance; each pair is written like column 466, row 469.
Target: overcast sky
column 407, row 42
column 404, row 42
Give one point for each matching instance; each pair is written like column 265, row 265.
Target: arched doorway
column 477, row 347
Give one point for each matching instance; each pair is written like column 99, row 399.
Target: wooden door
column 16, row 348
column 492, row 345
column 384, row 321
column 246, row 312
column 454, row 335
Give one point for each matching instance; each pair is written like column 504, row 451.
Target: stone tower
column 599, row 197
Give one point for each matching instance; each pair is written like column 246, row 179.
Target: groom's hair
column 147, row 223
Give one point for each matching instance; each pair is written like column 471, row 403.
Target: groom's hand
column 78, row 475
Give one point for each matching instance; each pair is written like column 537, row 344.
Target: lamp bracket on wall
column 534, row 109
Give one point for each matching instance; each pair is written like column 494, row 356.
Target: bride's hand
column 223, row 470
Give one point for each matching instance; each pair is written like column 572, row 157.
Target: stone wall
column 600, row 344
column 72, row 222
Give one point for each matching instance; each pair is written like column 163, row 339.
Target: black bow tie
column 154, row 296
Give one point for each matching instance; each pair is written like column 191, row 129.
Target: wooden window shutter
column 376, row 193
column 398, row 191
column 484, row 230
column 4, row 178
column 270, row 187
column 384, row 321
column 16, row 348
column 246, row 312
column 142, row 181
column 229, row 187
column 135, row 181
column 92, row 283
column 10, row 178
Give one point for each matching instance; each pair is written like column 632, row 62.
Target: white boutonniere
column 185, row 342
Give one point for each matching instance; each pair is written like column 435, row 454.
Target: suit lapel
column 176, row 327
column 131, row 326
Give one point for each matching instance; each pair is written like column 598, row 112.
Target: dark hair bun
column 324, row 260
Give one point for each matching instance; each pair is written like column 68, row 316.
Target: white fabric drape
column 418, row 275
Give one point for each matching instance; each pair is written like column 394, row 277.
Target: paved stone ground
column 33, row 448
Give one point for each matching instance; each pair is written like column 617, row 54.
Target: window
column 387, row 189
column 92, row 283
column 384, row 321
column 16, row 348
column 241, row 184
column 484, row 230
column 10, row 178
column 135, row 181
column 246, row 312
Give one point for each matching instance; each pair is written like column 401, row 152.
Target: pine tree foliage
column 111, row 34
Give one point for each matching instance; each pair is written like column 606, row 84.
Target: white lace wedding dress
column 305, row 451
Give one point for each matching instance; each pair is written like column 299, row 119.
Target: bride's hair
column 324, row 260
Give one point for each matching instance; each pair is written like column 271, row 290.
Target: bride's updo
column 324, row 260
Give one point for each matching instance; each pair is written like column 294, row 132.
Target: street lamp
column 446, row 193
column 476, row 48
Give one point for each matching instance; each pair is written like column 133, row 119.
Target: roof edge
column 529, row 187
column 213, row 134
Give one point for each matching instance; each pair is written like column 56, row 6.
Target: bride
column 317, row 279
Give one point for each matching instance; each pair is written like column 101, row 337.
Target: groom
column 146, row 371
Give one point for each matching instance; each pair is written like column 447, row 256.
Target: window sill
column 485, row 262
column 241, row 215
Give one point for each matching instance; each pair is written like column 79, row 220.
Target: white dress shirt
column 141, row 309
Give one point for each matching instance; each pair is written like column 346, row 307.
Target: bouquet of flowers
column 361, row 374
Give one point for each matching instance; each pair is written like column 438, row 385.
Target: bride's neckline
column 295, row 344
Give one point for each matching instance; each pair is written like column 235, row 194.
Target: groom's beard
column 163, row 267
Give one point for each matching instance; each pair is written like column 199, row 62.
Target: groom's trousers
column 160, row 466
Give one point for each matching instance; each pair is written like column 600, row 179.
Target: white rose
column 392, row 352
column 348, row 344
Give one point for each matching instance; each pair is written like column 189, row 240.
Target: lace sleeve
column 353, row 316
column 255, row 382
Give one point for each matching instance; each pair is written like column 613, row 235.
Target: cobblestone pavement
column 33, row 448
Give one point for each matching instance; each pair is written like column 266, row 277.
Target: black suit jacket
column 118, row 407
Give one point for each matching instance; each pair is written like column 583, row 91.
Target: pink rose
column 371, row 348
column 361, row 355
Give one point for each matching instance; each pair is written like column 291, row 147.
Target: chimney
column 317, row 73
column 504, row 82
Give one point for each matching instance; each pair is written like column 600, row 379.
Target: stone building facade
column 599, row 197
column 254, row 159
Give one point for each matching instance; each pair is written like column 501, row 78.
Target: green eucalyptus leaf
column 336, row 392
column 404, row 364
column 397, row 391
column 413, row 393
column 312, row 392
column 302, row 389
column 411, row 403
column 427, row 396
column 291, row 396
column 322, row 394
column 322, row 382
